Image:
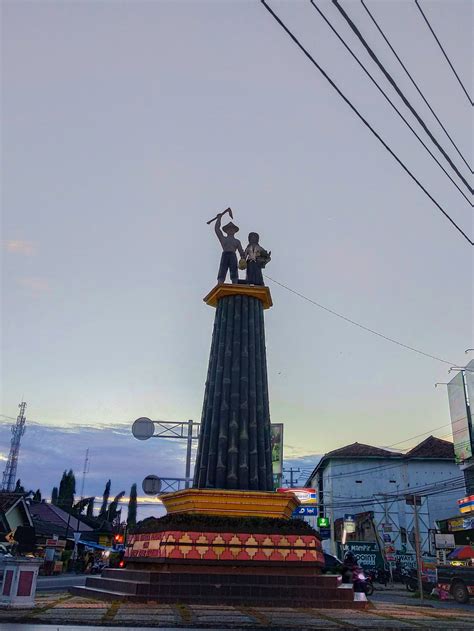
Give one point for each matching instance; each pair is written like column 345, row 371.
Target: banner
column 459, row 419
column 276, row 435
column 367, row 554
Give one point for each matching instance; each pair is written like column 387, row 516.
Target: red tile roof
column 432, row 447
column 359, row 450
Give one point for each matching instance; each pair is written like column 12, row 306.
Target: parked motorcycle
column 353, row 573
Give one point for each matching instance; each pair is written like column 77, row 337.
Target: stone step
column 109, row 595
column 127, row 574
column 115, row 584
column 100, row 594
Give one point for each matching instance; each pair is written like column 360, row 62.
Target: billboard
column 276, row 436
column 459, row 418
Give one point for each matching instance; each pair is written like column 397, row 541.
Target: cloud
column 46, row 451
column 35, row 284
column 17, row 246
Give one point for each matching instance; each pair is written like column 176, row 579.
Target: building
column 51, row 521
column 14, row 512
column 371, row 484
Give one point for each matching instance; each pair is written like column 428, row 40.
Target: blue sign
column 325, row 533
column 305, row 511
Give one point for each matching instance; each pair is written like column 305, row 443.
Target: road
column 60, row 583
column 403, row 597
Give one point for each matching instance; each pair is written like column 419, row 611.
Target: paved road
column 60, row 583
column 403, row 597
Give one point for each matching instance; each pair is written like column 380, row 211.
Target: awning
column 92, row 544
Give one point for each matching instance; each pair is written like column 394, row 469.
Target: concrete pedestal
column 19, row 582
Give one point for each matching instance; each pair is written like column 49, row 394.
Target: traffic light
column 118, row 542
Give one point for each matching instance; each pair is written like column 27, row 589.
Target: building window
column 358, row 481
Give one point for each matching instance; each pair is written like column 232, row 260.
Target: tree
column 105, row 499
column 132, row 507
column 19, row 488
column 37, row 496
column 90, row 507
column 113, row 510
column 67, row 488
column 54, row 495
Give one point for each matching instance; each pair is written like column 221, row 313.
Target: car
column 458, row 581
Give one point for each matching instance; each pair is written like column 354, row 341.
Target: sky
column 127, row 125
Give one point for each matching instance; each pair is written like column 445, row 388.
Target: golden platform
column 230, row 503
column 261, row 292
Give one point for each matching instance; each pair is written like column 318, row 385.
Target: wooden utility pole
column 417, row 545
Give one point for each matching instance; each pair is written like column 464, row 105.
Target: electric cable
column 416, row 85
column 390, row 101
column 366, row 123
column 393, row 83
column 361, row 326
column 444, row 52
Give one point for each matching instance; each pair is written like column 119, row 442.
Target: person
column 256, row 258
column 229, row 246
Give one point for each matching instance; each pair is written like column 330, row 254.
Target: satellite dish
column 143, row 428
column 151, row 485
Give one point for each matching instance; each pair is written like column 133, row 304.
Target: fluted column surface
column 234, row 449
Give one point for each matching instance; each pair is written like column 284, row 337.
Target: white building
column 372, row 483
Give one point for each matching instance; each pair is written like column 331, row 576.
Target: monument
column 229, row 539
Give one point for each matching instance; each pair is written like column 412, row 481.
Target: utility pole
column 417, row 544
column 9, row 475
column 291, row 471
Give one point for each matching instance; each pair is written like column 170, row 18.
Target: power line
column 444, row 53
column 389, row 100
column 393, row 83
column 416, row 86
column 361, row 326
column 366, row 123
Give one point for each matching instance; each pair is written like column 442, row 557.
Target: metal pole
column 187, row 475
column 331, row 524
column 417, row 547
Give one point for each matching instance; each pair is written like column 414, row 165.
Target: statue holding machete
column 253, row 259
column 229, row 246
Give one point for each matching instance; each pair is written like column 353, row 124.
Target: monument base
column 215, row 559
column 233, row 587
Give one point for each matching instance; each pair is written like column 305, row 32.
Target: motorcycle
column 355, row 574
column 97, row 567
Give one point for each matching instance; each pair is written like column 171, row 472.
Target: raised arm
column 217, row 228
column 241, row 252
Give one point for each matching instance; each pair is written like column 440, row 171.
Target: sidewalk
column 64, row 609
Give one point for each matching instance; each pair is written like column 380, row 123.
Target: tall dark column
column 234, row 449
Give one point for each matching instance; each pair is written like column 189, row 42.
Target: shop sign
column 466, row 523
column 305, row 495
column 443, row 542
column 349, row 523
column 367, row 554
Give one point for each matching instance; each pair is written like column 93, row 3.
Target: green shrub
column 218, row 523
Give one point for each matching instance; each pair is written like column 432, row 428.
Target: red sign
column 305, row 495
column 55, row 543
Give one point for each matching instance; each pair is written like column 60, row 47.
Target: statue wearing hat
column 229, row 246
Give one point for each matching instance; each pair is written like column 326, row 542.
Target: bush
column 218, row 523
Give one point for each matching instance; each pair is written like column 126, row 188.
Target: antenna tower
column 9, row 475
column 85, row 472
